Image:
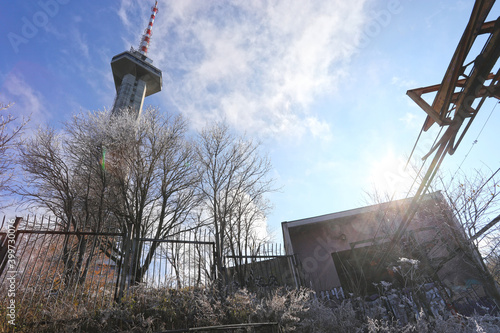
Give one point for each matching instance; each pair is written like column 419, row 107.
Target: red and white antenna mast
column 143, row 47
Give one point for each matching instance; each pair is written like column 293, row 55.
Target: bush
column 150, row 310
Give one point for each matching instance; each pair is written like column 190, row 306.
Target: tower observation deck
column 134, row 74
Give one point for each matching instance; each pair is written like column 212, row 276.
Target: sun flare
column 389, row 176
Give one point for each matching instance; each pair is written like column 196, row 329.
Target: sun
column 389, row 176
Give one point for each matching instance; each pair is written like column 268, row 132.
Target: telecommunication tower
column 134, row 74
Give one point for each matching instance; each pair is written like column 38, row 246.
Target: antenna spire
column 143, row 47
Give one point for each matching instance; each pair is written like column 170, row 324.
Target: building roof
column 355, row 211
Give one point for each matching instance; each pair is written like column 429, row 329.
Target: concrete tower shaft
column 134, row 74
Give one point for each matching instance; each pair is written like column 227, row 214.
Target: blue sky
column 322, row 84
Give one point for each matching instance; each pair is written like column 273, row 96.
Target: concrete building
column 341, row 252
column 134, row 74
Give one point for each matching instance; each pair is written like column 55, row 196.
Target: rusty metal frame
column 439, row 110
column 448, row 100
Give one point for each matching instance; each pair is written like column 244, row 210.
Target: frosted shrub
column 322, row 318
column 285, row 307
column 158, row 309
column 462, row 324
column 241, row 306
column 301, row 311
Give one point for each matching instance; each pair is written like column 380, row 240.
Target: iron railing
column 48, row 264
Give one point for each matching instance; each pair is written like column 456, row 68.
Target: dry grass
column 152, row 310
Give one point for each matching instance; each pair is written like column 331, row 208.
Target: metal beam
column 455, row 69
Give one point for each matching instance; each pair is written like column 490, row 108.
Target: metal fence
column 41, row 263
column 45, row 263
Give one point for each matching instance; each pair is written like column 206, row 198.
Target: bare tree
column 154, row 180
column 466, row 235
column 135, row 176
column 51, row 183
column 474, row 201
column 10, row 132
column 66, row 182
column 235, row 179
column 493, row 263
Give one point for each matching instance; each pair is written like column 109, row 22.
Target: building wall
column 314, row 245
column 315, row 240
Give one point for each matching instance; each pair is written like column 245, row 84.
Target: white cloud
column 27, row 102
column 319, row 129
column 125, row 7
column 403, row 83
column 409, row 119
column 80, row 43
column 258, row 64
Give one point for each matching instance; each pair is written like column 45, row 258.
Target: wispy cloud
column 125, row 8
column 258, row 64
column 80, row 42
column 403, row 83
column 409, row 118
column 27, row 102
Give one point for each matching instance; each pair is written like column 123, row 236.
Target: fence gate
column 185, row 259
